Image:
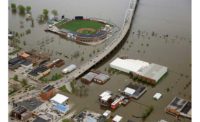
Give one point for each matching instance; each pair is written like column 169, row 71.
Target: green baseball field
column 81, row 26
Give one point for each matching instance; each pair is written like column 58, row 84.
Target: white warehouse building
column 150, row 73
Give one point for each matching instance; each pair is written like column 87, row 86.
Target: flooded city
column 160, row 33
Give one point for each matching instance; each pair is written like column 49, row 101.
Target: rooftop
column 128, row 65
column 89, row 76
column 39, row 119
column 30, row 104
column 48, row 88
column 59, row 98
column 153, row 71
column 117, row 118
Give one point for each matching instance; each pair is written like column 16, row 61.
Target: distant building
column 179, row 107
column 48, row 92
column 150, row 73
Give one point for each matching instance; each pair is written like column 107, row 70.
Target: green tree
column 65, row 120
column 54, row 12
column 45, row 12
column 15, row 77
column 21, row 9
column 28, row 9
column 24, row 82
column 13, row 7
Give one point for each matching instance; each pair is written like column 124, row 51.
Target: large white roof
column 117, row 118
column 128, row 65
column 59, row 98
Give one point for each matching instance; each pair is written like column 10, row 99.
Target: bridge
column 108, row 49
column 92, row 62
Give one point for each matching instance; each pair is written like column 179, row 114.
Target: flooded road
column 160, row 33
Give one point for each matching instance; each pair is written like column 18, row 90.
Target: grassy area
column 64, row 89
column 77, row 24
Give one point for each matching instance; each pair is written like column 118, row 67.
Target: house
column 15, row 63
column 23, row 55
column 47, row 92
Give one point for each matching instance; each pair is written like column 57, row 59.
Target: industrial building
column 30, row 104
column 134, row 90
column 47, row 92
column 39, row 72
column 21, row 113
column 101, row 78
column 179, row 107
column 88, row 78
column 15, row 63
column 59, row 102
column 97, row 77
column 150, row 73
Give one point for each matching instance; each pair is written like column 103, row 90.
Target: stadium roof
column 59, row 98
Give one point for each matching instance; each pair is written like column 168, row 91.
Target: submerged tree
column 45, row 12
column 54, row 12
column 13, row 7
column 21, row 9
column 28, row 9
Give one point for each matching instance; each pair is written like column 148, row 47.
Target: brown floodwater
column 160, row 33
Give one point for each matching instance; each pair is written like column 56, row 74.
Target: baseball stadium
column 82, row 30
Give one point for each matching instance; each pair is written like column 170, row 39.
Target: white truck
column 69, row 68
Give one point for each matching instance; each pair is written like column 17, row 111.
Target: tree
column 28, row 9
column 21, row 9
column 24, row 82
column 45, row 12
column 15, row 77
column 13, row 7
column 54, row 12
